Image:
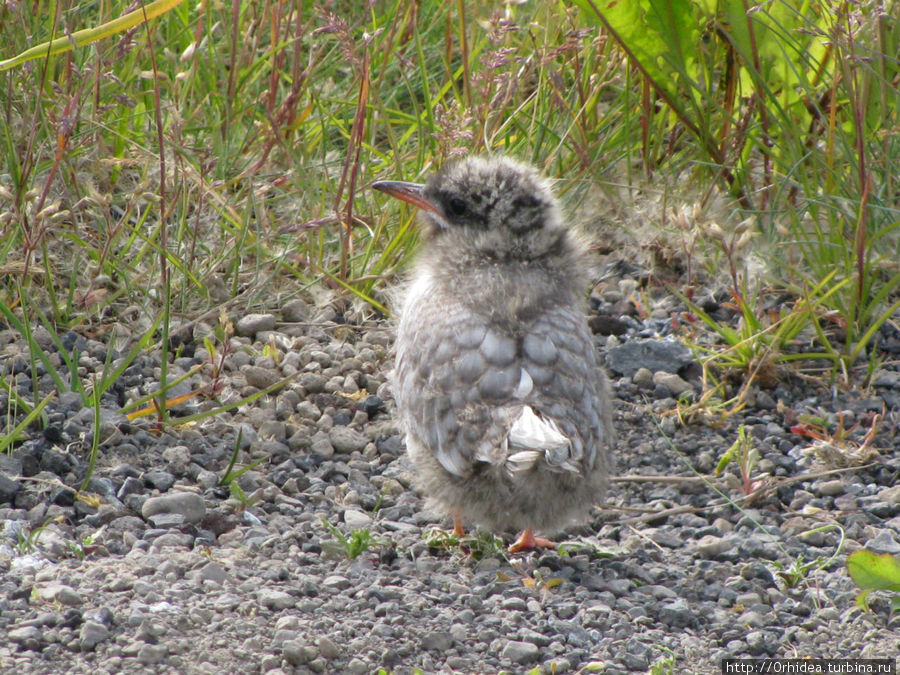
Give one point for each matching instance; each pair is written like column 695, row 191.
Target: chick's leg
column 528, row 542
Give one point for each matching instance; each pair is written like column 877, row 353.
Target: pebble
column 27, row 636
column 520, row 652
column 65, row 595
column 884, row 542
column 831, row 488
column 295, row 652
column 187, row 504
column 251, row 324
column 890, row 495
column 710, row 546
column 276, row 600
column 92, row 634
column 675, row 384
column 150, row 655
column 439, row 641
column 261, row 378
column 321, row 445
column 655, row 355
column 347, row 440
column 336, row 581
column 357, row 519
column 327, row 648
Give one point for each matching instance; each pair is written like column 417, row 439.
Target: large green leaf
column 874, row 571
column 661, row 36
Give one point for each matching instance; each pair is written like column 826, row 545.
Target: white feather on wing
column 533, row 438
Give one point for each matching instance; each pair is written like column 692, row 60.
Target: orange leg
column 528, row 542
column 458, row 528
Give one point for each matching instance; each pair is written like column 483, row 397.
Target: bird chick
column 505, row 407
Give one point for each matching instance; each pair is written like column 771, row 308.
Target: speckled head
column 495, row 206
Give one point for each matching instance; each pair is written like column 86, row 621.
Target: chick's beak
column 408, row 192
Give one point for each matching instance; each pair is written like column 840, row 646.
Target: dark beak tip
column 407, row 192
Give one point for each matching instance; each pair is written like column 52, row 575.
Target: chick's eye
column 457, row 206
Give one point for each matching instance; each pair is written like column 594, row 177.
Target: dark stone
column 606, row 325
column 655, row 355
column 56, row 462
column 161, row 480
column 72, row 341
column 371, row 405
column 8, row 489
column 63, row 496
column 677, row 614
column 131, row 486
column 53, row 433
column 341, row 418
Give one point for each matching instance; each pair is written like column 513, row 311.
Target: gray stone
column 357, row 519
column 665, row 355
column 883, row 542
column 890, row 495
column 437, row 640
column 92, row 634
column 161, row 480
column 831, row 488
column 534, row 637
column 672, row 382
column 8, row 489
column 250, row 324
column 214, row 572
column 261, row 378
column 65, row 595
column 188, row 504
column 760, row 642
column 709, row 545
column 151, row 654
column 357, row 667
column 312, row 382
column 167, row 520
column 346, row 440
column 520, row 652
column 26, row 635
column 642, row 376
column 295, row 311
column 327, row 648
column 295, row 652
column 336, row 581
column 276, row 600
column 321, row 445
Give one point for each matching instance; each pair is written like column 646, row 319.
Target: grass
column 216, row 159
column 349, row 546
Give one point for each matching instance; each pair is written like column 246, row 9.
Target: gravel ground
column 156, row 568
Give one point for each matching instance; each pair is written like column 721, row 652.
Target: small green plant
column 231, row 475
column 33, row 413
column 349, row 546
column 570, row 548
column 746, row 455
column 664, row 665
column 83, row 548
column 477, row 546
column 755, row 350
column 797, row 572
column 26, row 541
column 238, row 495
column 875, row 572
